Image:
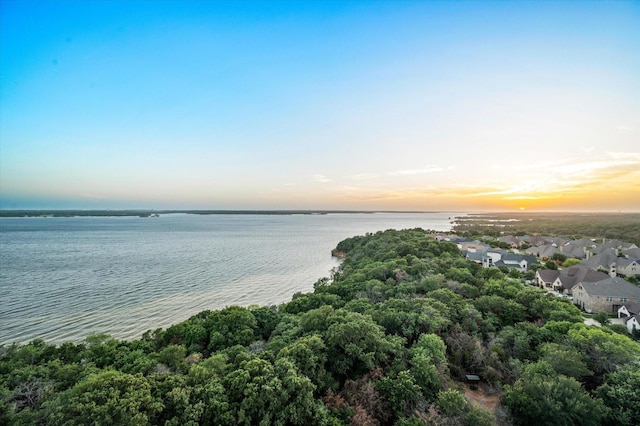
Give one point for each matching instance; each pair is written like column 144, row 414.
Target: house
column 628, row 310
column 518, row 261
column 615, row 245
column 578, row 248
column 473, row 246
column 439, row 236
column 536, row 240
column 562, row 281
column 544, row 252
column 632, row 253
column 513, row 241
column 633, row 323
column 627, row 267
column 490, row 257
column 605, row 260
column 606, row 296
column 609, row 261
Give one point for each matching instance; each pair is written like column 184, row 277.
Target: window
column 609, row 299
column 623, row 299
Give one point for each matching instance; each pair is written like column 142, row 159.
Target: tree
column 451, row 402
column 621, row 393
column 109, row 397
column 565, row 360
column 542, row 396
column 231, row 326
column 572, row 261
column 401, row 392
column 356, row 344
column 605, row 350
column 263, row 393
column 602, row 318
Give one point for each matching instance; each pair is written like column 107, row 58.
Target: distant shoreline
column 150, row 213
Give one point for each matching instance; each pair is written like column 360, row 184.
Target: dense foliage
column 387, row 340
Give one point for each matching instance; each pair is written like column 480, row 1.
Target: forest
column 387, row 339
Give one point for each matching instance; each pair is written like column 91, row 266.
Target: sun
column 521, row 208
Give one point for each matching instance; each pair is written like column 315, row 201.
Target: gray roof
column 579, row 273
column 519, row 257
column 613, row 244
column 606, row 259
column 603, row 259
column 614, row 287
column 633, row 308
column 548, row 275
column 545, row 250
column 474, row 255
column 633, row 253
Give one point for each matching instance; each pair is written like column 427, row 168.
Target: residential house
column 518, row 261
column 632, row 253
column 580, row 249
column 562, row 281
column 614, row 265
column 627, row 267
column 544, row 252
column 628, row 310
column 473, row 246
column 535, row 241
column 513, row 241
column 490, row 257
column 606, row 296
column 616, row 245
column 633, row 323
column 631, row 313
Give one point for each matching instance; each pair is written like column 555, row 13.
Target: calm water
column 62, row 279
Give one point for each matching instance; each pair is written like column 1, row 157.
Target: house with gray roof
column 578, row 248
column 536, row 240
column 562, row 281
column 544, row 252
column 632, row 253
column 512, row 240
column 517, row 261
column 615, row 245
column 629, row 310
column 633, row 323
column 605, row 296
column 613, row 264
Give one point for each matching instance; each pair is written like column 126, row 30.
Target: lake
column 62, row 279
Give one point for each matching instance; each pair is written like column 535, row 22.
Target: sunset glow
column 359, row 105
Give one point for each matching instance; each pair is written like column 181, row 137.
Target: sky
column 360, row 105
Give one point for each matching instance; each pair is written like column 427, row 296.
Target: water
column 62, row 279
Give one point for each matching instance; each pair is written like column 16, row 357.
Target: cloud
column 321, row 178
column 411, row 172
column 363, row 176
column 552, row 180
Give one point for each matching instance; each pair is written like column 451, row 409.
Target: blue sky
column 424, row 105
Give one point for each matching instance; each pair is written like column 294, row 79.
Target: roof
column 636, row 317
column 613, row 287
column 603, row 259
column 633, row 253
column 474, row 255
column 613, row 244
column 548, row 275
column 632, row 308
